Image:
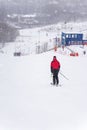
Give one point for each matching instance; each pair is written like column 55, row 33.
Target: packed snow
column 27, row 99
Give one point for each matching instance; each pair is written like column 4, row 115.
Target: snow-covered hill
column 30, row 39
column 27, row 99
column 47, row 12
column 29, row 102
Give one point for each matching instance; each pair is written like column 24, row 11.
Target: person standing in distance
column 55, row 67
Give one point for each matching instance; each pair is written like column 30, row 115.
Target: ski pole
column 64, row 76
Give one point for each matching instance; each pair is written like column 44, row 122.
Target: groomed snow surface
column 29, row 102
column 27, row 99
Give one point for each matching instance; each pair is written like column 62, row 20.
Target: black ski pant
column 55, row 76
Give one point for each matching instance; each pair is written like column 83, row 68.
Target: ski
column 59, row 85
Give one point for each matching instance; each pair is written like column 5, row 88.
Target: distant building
column 72, row 39
column 84, row 42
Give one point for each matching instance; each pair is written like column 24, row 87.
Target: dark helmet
column 54, row 57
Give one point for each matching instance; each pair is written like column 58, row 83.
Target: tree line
column 8, row 33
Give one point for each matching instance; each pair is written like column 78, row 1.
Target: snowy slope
column 29, row 102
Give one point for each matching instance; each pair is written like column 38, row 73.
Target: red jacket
column 55, row 64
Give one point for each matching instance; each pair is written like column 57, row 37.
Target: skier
column 55, row 67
